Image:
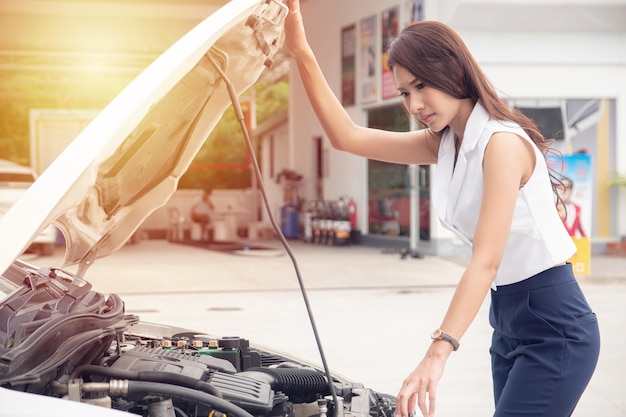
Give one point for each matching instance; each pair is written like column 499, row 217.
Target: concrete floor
column 374, row 312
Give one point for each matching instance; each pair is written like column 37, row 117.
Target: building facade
column 564, row 64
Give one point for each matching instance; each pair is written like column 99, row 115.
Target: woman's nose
column 415, row 105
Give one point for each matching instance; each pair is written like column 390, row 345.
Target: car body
column 65, row 345
column 14, row 181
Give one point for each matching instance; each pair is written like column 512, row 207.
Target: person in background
column 202, row 211
column 492, row 188
column 569, row 211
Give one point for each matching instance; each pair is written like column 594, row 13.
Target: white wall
column 281, row 154
column 544, row 63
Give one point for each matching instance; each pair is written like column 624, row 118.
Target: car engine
column 60, row 338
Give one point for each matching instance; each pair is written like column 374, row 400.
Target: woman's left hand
column 421, row 384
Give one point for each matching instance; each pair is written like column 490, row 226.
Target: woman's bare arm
column 507, row 164
column 417, row 147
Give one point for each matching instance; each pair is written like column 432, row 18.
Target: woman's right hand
column 295, row 37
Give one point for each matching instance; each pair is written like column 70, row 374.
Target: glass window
column 388, row 184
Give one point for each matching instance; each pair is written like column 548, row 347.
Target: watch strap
column 441, row 335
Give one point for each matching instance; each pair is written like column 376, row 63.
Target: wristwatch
column 439, row 334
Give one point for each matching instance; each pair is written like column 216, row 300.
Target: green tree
column 22, row 91
column 221, row 161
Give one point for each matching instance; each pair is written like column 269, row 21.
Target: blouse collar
column 449, row 177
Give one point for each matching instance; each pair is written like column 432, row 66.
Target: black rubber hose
column 137, row 390
column 294, row 380
column 148, row 376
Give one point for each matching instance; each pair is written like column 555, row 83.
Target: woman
column 569, row 211
column 492, row 189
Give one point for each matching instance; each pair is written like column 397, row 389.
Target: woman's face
column 430, row 106
column 566, row 192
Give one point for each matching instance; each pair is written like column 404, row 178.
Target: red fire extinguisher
column 352, row 211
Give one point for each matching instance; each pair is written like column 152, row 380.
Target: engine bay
column 62, row 339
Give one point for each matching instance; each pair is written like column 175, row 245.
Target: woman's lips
column 427, row 118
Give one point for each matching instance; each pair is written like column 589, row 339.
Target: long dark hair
column 437, row 56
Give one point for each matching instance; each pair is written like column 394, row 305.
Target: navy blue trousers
column 545, row 345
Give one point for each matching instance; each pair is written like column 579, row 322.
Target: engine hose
column 295, row 380
column 137, row 390
column 148, row 376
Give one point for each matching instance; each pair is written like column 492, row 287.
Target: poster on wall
column 348, row 63
column 390, row 28
column 369, row 89
column 576, row 205
column 414, row 11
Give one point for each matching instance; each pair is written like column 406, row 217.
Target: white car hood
column 128, row 161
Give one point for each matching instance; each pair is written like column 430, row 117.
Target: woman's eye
column 403, row 94
column 420, row 86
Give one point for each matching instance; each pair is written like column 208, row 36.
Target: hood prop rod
column 234, row 97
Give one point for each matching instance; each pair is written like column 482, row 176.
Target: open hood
column 65, row 347
column 128, row 161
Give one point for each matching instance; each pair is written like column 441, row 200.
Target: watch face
column 436, row 334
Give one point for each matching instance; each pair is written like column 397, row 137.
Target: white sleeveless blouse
column 538, row 239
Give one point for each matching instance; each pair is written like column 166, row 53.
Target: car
column 67, row 349
column 14, row 180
